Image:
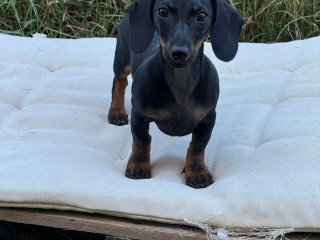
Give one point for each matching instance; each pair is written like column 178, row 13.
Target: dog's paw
column 138, row 171
column 118, row 119
column 198, row 179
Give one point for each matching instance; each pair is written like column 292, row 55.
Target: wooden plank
column 113, row 226
column 96, row 223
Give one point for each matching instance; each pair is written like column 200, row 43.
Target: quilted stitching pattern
column 58, row 150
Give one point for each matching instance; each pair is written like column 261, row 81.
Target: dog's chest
column 177, row 120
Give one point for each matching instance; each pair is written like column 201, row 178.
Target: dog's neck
column 182, row 81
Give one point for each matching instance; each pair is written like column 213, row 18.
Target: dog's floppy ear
column 225, row 31
column 141, row 22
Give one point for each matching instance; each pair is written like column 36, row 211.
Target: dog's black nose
column 179, row 54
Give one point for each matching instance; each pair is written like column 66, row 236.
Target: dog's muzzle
column 179, row 56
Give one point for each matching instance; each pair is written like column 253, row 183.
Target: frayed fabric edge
column 250, row 233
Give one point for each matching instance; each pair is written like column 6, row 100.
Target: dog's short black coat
column 174, row 84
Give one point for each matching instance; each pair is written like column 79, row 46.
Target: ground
column 15, row 231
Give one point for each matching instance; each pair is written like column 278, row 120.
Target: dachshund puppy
column 174, row 84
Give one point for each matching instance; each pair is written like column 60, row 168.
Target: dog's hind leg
column 121, row 67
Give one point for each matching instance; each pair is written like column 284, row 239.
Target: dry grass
column 67, row 19
column 266, row 21
column 279, row 20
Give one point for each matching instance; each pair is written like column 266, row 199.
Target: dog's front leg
column 196, row 171
column 139, row 162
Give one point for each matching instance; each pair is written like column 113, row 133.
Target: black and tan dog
column 174, row 84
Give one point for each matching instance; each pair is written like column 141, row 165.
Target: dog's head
column 183, row 25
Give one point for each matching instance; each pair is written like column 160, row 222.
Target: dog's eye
column 163, row 12
column 201, row 17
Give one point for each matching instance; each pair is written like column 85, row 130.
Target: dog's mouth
column 178, row 65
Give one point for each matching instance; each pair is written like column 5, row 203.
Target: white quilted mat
column 58, row 150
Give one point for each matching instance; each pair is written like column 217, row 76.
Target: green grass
column 266, row 21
